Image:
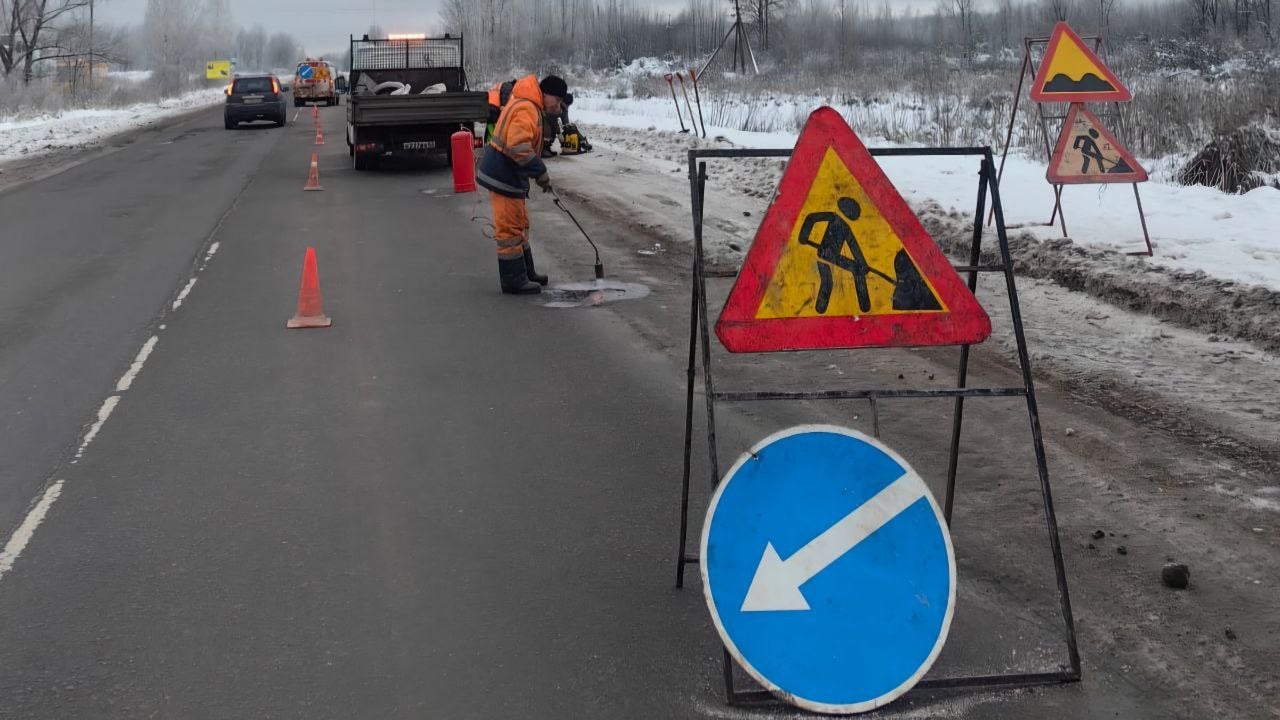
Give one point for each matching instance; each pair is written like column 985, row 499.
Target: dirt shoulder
column 1160, row 446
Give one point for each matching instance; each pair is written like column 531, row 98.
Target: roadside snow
column 1230, row 237
column 27, row 137
column 1096, row 321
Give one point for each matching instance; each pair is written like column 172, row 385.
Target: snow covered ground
column 29, row 136
column 1186, row 340
column 1230, row 237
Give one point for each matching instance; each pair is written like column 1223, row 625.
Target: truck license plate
column 424, row 145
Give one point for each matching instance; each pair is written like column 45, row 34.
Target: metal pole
column 91, row 50
column 691, row 375
column 1142, row 215
column 1013, row 117
column 1037, row 436
column 707, row 383
column 962, row 379
column 719, row 47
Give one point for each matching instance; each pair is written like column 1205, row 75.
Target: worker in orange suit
column 513, row 157
column 499, row 94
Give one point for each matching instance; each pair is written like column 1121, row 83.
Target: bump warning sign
column 1071, row 72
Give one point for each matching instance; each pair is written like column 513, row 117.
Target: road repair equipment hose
column 560, row 204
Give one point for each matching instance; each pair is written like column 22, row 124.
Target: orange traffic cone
column 319, row 135
column 313, row 180
column 315, row 111
column 310, row 308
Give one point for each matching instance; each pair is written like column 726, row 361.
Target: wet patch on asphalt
column 591, row 293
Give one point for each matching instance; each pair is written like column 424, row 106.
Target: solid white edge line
column 104, row 412
column 185, row 292
column 126, row 381
column 18, row 541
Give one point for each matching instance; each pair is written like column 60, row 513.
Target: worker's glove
column 544, row 182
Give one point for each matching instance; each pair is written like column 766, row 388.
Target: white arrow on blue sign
column 828, row 569
column 306, row 71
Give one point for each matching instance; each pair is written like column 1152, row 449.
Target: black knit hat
column 554, row 85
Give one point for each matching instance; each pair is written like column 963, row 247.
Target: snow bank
column 130, row 76
column 1229, row 237
column 27, row 137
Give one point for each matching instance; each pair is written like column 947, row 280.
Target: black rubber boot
column 515, row 279
column 528, row 267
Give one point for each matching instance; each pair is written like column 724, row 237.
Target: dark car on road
column 254, row 97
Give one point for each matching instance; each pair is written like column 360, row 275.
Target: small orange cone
column 313, row 179
column 319, row 135
column 315, row 111
column 310, row 308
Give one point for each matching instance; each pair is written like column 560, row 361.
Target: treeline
column 502, row 34
column 54, row 38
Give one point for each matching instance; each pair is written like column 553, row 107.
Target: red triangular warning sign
column 1071, row 72
column 1088, row 153
column 840, row 261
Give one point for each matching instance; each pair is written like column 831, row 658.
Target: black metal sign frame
column 699, row 338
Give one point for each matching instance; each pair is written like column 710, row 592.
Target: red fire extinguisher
column 464, row 162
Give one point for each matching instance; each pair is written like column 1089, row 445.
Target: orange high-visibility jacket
column 514, row 153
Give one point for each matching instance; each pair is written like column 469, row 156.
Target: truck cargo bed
column 454, row 107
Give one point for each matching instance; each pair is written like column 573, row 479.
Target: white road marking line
column 104, row 412
column 18, row 541
column 126, row 381
column 185, row 291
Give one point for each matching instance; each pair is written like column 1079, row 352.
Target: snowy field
column 1230, row 237
column 29, row 136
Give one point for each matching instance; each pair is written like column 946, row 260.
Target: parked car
column 254, row 97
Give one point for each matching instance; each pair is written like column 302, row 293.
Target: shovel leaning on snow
column 679, row 114
column 684, row 89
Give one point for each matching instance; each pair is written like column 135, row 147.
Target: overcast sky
column 322, row 26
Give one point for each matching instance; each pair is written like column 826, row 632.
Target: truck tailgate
column 452, row 107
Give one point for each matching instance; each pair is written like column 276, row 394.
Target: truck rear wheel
column 367, row 161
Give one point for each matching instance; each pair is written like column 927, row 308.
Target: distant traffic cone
column 319, row 135
column 313, row 180
column 315, row 112
column 310, row 308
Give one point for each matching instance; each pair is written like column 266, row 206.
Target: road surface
column 452, row 503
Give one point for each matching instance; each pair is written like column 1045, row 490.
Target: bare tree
column 1059, row 10
column 964, row 19
column 1105, row 9
column 34, row 30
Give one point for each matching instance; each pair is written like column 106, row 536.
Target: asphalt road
column 422, row 510
column 450, row 504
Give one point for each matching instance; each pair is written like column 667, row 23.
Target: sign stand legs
column 700, row 344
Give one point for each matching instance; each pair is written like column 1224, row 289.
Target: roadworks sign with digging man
column 840, row 261
column 1088, row 153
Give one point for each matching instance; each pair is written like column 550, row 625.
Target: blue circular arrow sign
column 828, row 569
column 306, row 71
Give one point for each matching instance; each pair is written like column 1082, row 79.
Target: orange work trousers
column 510, row 225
